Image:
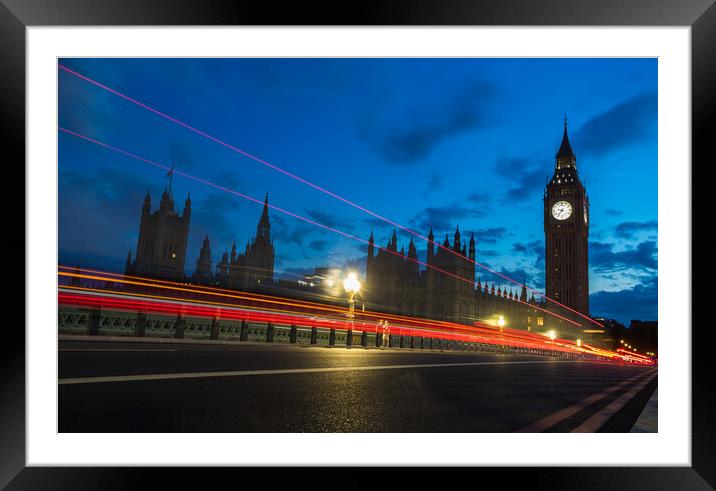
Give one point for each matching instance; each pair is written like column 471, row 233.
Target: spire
column 565, row 156
column 412, row 252
column 431, row 249
column 263, row 229
column 371, row 240
column 456, row 243
column 170, row 175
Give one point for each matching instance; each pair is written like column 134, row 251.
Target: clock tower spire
column 566, row 228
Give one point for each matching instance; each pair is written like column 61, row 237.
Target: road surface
column 108, row 386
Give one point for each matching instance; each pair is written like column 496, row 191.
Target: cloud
column 490, row 235
column 318, row 245
column 533, row 249
column 487, row 253
column 614, row 213
column 215, row 216
column 527, row 178
column 329, row 220
column 444, row 217
column 413, row 134
column 627, row 230
column 624, row 124
column 638, row 302
column 100, row 211
column 479, row 198
column 603, row 259
column 296, row 233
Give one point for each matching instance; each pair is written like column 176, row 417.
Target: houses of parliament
column 395, row 282
column 162, row 244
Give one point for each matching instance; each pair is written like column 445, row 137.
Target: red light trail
column 294, row 215
column 315, row 186
column 259, row 301
column 263, row 308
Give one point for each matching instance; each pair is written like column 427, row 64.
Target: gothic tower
column 161, row 247
column 255, row 265
column 566, row 228
column 203, row 272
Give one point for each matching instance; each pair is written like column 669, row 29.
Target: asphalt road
column 170, row 387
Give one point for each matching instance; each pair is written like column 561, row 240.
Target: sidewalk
column 648, row 420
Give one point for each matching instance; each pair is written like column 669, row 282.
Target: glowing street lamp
column 352, row 286
column 552, row 335
column 501, row 324
column 579, row 342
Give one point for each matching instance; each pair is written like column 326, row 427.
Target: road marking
column 561, row 415
column 597, row 420
column 113, row 349
column 245, row 373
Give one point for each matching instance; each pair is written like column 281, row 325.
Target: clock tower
column 566, row 229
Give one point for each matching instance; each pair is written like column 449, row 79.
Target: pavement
column 648, row 421
column 149, row 386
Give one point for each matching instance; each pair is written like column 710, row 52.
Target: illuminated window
column 540, row 321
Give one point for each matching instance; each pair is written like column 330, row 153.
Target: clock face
column 561, row 210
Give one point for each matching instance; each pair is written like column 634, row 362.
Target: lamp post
column 352, row 286
column 501, row 324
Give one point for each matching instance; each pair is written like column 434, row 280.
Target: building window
column 540, row 321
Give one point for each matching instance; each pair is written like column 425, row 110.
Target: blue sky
column 439, row 142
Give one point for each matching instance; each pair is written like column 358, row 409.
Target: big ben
column 566, row 228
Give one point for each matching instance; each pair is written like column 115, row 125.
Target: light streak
column 315, row 186
column 164, row 303
column 294, row 215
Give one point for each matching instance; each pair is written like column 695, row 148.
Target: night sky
column 423, row 142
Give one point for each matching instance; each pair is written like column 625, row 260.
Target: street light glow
column 552, row 335
column 351, row 283
column 501, row 322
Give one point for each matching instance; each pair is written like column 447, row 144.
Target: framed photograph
column 431, row 236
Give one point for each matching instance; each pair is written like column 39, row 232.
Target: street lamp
column 501, row 325
column 352, row 286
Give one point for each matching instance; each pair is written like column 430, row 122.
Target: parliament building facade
column 395, row 281
column 162, row 243
column 446, row 290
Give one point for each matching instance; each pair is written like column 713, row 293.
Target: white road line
column 111, row 349
column 245, row 373
column 562, row 414
column 597, row 420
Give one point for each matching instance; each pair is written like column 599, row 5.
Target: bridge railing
column 102, row 322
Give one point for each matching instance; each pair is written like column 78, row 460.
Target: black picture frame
column 16, row 15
